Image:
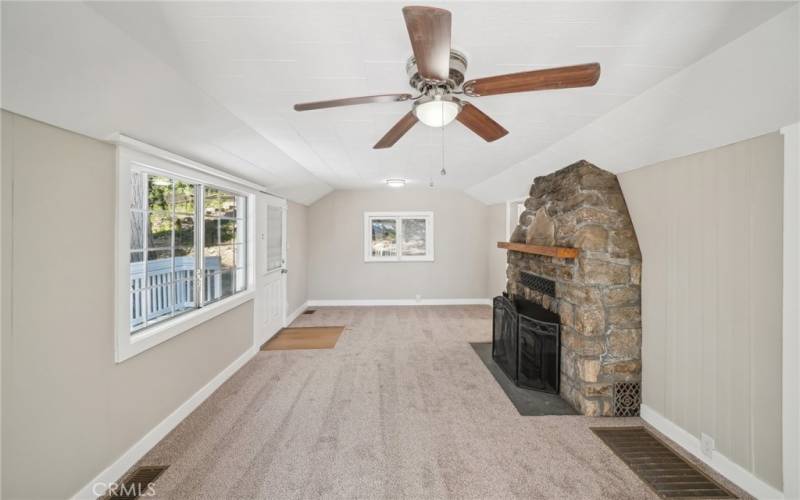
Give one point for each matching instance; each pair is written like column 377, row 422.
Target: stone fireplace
column 597, row 295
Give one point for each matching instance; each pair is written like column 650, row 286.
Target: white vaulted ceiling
column 216, row 81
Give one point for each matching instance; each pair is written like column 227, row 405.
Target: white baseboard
column 297, row 312
column 398, row 302
column 719, row 462
column 115, row 471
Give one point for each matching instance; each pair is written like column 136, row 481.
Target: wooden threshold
column 310, row 337
column 558, row 252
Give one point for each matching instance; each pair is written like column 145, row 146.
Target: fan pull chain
column 443, row 171
column 430, row 173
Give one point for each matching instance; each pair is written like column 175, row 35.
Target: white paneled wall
column 709, row 226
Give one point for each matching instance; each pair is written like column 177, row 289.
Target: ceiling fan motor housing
column 458, row 66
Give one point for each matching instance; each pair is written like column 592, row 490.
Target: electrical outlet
column 707, row 445
column 418, row 297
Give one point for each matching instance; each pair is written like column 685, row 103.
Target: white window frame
column 429, row 236
column 132, row 154
column 512, row 219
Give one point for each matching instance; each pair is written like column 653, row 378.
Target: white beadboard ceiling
column 216, row 81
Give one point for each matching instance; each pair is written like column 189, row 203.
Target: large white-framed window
column 398, row 236
column 184, row 246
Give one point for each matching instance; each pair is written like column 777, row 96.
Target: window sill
column 398, row 261
column 161, row 332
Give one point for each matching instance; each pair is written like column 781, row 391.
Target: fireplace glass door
column 539, row 366
column 504, row 341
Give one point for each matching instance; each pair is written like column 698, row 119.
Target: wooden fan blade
column 399, row 130
column 351, row 101
column 480, row 123
column 429, row 31
column 583, row 75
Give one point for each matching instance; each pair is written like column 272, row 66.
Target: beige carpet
column 402, row 408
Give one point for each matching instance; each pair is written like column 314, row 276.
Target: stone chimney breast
column 598, row 296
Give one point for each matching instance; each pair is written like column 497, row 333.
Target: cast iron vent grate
column 627, row 399
column 309, row 311
column 136, row 484
column 537, row 283
column 663, row 470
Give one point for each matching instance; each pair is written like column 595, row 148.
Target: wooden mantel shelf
column 558, row 252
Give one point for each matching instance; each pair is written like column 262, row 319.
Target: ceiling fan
column 437, row 72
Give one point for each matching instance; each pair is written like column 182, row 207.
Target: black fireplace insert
column 526, row 343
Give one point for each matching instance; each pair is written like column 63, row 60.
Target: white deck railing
column 159, row 293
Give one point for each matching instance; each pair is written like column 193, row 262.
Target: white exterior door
column 271, row 267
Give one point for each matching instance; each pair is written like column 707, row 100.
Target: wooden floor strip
column 315, row 337
column 666, row 472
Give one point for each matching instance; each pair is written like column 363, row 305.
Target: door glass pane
column 223, row 242
column 211, row 255
column 414, row 237
column 137, row 230
column 137, row 309
column 159, row 193
column 211, row 234
column 241, row 279
column 211, row 285
column 184, row 198
column 184, row 295
column 137, row 190
column 274, row 238
column 184, row 231
column 159, row 284
column 384, row 237
column 226, row 257
column 226, row 283
column 227, row 231
column 159, row 230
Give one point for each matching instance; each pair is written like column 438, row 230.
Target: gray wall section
column 496, row 256
column 709, row 226
column 297, row 255
column 68, row 410
column 336, row 240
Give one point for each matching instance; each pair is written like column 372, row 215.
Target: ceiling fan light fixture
column 395, row 183
column 437, row 111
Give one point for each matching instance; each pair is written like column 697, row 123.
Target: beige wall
column 297, row 255
column 68, row 410
column 496, row 256
column 336, row 258
column 709, row 226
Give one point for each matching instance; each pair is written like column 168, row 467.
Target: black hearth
column 526, row 343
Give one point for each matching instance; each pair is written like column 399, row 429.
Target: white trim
column 397, row 302
column 791, row 311
column 125, row 344
column 297, row 312
column 508, row 215
column 115, row 471
column 429, row 236
column 163, row 331
column 719, row 462
column 142, row 147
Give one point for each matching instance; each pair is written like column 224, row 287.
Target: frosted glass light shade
column 436, row 112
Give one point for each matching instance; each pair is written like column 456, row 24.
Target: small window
column 398, row 236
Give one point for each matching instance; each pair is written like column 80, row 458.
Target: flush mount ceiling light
column 437, row 111
column 436, row 73
column 395, row 183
